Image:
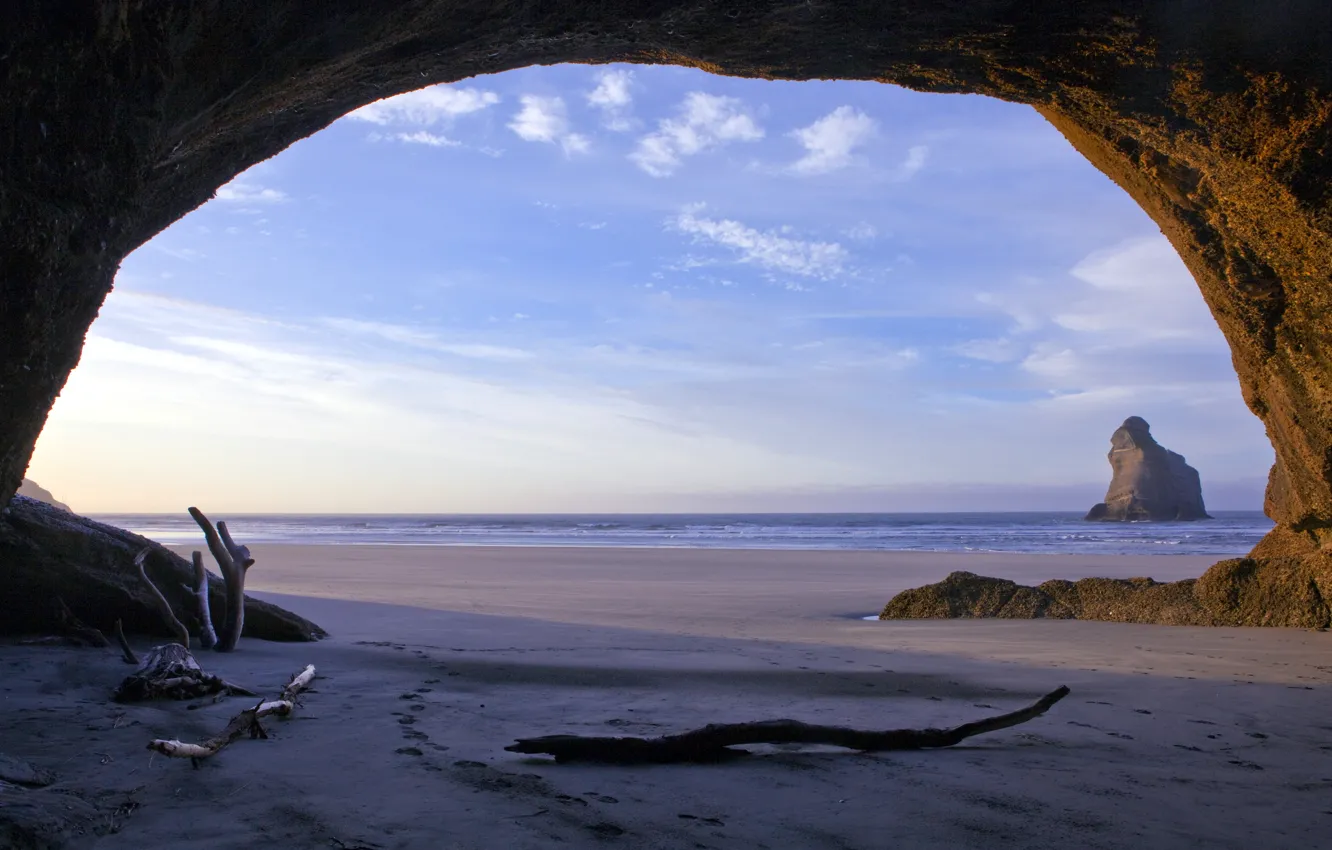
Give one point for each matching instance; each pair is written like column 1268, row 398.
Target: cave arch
column 1214, row 115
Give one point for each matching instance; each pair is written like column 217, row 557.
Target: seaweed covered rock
column 967, row 595
column 1150, row 482
column 1240, row 592
column 46, row 553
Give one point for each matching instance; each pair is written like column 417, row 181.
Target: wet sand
column 1172, row 737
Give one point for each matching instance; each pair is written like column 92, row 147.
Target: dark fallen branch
column 170, row 672
column 245, row 723
column 126, row 652
column 78, row 633
column 712, row 742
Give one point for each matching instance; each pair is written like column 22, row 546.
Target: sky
column 591, row 289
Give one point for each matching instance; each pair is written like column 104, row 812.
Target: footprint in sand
column 605, row 829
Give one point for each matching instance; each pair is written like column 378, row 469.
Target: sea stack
column 1150, row 483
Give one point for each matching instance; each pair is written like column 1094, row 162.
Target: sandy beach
column 441, row 656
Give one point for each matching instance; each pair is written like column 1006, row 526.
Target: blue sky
column 596, row 289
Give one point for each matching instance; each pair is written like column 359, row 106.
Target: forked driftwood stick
column 125, row 651
column 173, row 623
column 233, row 560
column 711, row 743
column 207, row 637
column 247, row 722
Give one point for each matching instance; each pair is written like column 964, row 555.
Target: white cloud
column 423, row 137
column 861, row 231
column 705, row 121
column 426, row 107
column 241, row 192
column 830, row 142
column 574, row 143
column 1138, row 290
column 1051, row 360
column 769, row 249
column 914, row 162
column 546, row 119
column 613, row 98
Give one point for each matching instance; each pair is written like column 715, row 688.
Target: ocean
column 1231, row 533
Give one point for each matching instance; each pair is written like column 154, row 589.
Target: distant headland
column 33, row 490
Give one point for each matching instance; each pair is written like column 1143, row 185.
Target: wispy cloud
column 424, row 137
column 546, row 119
column 243, row 192
column 831, row 141
column 914, row 162
column 613, row 97
column 418, row 338
column 767, row 249
column 424, row 108
column 705, row 121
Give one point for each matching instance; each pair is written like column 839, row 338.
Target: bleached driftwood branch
column 234, row 561
column 207, row 637
column 170, row 672
column 160, row 602
column 712, row 742
column 247, row 722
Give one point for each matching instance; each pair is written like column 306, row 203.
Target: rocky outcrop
column 1215, row 117
column 1239, row 592
column 33, row 490
column 1150, row 482
column 47, row 553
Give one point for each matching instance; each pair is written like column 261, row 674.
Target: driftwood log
column 170, row 672
column 245, row 723
column 46, row 552
column 234, row 561
column 713, row 742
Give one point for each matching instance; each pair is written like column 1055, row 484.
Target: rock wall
column 1150, row 482
column 1214, row 115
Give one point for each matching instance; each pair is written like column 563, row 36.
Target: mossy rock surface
column 1291, row 592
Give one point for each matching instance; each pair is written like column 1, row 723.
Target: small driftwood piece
column 234, row 561
column 207, row 637
column 170, row 672
column 160, row 602
column 245, row 723
column 713, row 742
column 126, row 652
